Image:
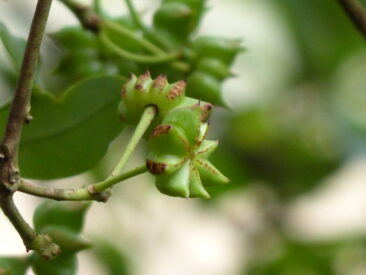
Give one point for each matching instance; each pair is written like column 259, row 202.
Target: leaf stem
column 357, row 13
column 87, row 17
column 81, row 193
column 132, row 56
column 145, row 121
column 135, row 16
column 130, row 34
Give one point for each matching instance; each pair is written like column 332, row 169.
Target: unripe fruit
column 213, row 66
column 217, row 47
column 178, row 153
column 204, row 86
column 140, row 92
column 174, row 18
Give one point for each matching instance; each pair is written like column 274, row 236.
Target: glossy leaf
column 70, row 135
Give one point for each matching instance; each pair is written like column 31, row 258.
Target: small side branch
column 87, row 193
column 32, row 241
column 87, row 17
column 357, row 13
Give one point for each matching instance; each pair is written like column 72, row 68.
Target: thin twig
column 39, row 242
column 147, row 59
column 9, row 172
column 357, row 13
column 81, row 193
column 87, row 17
column 135, row 16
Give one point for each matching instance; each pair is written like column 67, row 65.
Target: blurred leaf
column 13, row 265
column 7, row 83
column 66, row 238
column 63, row 221
column 111, row 257
column 64, row 264
column 297, row 258
column 80, row 55
column 322, row 33
column 281, row 142
column 230, row 164
column 62, row 214
column 70, row 135
column 349, row 94
column 15, row 46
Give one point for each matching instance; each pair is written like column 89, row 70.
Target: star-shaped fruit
column 178, row 154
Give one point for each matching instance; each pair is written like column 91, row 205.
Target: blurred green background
column 293, row 145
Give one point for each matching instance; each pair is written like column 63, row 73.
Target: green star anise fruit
column 178, row 154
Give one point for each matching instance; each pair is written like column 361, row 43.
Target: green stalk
column 132, row 35
column 144, row 123
column 132, row 56
column 135, row 16
column 78, row 194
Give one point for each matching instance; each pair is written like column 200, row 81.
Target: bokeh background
column 293, row 145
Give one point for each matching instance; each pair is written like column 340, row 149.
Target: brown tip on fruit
column 155, row 168
column 160, row 82
column 206, row 109
column 123, row 91
column 177, row 89
column 161, row 130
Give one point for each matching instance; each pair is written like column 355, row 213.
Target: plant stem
column 130, row 34
column 9, row 172
column 32, row 241
column 23, row 228
column 135, row 16
column 144, row 123
column 81, row 193
column 21, row 101
column 132, row 56
column 357, row 13
column 87, row 17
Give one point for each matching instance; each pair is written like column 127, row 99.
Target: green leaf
column 13, row 265
column 111, row 257
column 65, row 264
column 70, row 135
column 63, row 221
column 15, row 46
column 69, row 215
column 66, row 238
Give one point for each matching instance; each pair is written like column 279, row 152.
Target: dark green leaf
column 70, row 135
